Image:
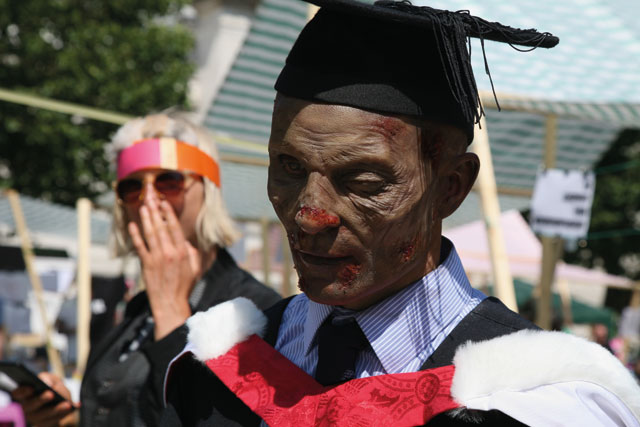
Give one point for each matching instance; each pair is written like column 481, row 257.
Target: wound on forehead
column 390, row 127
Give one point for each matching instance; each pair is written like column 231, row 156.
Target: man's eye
column 365, row 183
column 291, row 165
column 366, row 187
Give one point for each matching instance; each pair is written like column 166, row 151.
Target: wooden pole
column 487, row 189
column 311, row 11
column 635, row 296
column 551, row 250
column 27, row 254
column 119, row 119
column 83, row 282
column 565, row 296
column 287, row 266
column 266, row 261
column 551, row 246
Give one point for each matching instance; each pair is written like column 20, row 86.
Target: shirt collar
column 316, row 314
column 418, row 312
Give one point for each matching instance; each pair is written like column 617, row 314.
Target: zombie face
column 361, row 206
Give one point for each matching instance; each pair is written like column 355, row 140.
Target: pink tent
column 524, row 252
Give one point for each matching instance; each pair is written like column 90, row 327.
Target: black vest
column 197, row 398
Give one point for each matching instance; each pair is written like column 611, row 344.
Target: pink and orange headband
column 167, row 153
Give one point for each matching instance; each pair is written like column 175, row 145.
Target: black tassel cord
column 455, row 51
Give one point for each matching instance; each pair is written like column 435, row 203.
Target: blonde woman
column 170, row 212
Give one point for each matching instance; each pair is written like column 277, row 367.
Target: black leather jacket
column 129, row 393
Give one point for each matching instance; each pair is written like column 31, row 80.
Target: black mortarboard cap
column 396, row 58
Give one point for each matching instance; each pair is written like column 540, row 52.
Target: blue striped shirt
column 403, row 330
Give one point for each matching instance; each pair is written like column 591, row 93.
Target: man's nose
column 316, row 212
column 312, row 220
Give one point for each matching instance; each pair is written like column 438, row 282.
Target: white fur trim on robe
column 214, row 332
column 546, row 379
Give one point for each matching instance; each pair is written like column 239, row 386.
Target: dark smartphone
column 20, row 375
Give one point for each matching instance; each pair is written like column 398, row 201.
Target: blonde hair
column 214, row 226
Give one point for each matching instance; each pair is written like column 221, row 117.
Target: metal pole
column 491, row 210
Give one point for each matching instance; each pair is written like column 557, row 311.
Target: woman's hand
column 170, row 265
column 36, row 409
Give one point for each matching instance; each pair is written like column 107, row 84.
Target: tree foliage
column 614, row 234
column 119, row 55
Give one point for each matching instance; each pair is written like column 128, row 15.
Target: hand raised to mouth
column 170, row 265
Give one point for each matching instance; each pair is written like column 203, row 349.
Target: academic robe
column 196, row 397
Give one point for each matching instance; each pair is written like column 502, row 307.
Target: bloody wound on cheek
column 408, row 251
column 319, row 217
column 348, row 274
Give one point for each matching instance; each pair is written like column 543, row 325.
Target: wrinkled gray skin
column 361, row 203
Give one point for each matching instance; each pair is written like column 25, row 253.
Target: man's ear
column 456, row 182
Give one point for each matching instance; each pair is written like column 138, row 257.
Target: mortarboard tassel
column 452, row 31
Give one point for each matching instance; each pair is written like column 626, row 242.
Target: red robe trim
column 282, row 394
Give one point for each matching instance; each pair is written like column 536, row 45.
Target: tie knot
column 340, row 340
column 347, row 331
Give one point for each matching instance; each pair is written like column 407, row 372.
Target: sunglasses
column 167, row 184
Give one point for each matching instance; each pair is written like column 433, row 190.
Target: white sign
column 561, row 203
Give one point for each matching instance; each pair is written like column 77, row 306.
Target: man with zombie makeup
column 375, row 108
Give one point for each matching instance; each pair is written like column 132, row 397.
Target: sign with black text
column 561, row 203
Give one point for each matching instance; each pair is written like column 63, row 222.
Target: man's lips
column 323, row 259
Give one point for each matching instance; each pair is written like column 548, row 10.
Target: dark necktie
column 339, row 342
